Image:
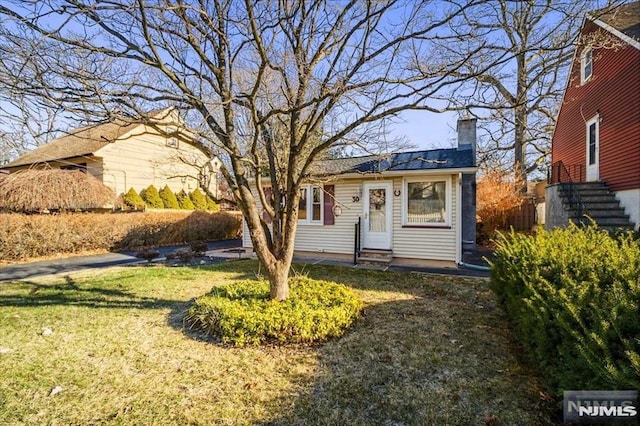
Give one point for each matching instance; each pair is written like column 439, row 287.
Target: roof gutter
column 407, row 172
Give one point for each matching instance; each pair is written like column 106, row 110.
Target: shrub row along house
column 411, row 207
column 129, row 154
column 596, row 141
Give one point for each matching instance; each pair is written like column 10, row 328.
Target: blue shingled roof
column 451, row 158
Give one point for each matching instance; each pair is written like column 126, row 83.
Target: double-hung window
column 427, row 202
column 310, row 205
column 586, row 65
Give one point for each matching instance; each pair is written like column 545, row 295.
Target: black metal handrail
column 560, row 174
column 563, row 173
column 356, row 241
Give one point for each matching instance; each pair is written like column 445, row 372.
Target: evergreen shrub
column 574, row 297
column 198, row 199
column 169, row 200
column 242, row 313
column 151, row 197
column 133, row 200
column 184, row 201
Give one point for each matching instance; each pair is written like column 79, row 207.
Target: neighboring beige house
column 127, row 155
column 406, row 208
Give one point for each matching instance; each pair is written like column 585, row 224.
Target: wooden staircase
column 594, row 202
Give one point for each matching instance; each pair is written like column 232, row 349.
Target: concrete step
column 594, row 192
column 375, row 257
column 373, row 261
column 590, row 185
column 603, row 205
column 605, row 221
column 376, row 254
column 599, row 209
column 614, row 229
column 619, row 213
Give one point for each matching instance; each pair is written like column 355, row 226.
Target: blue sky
column 427, row 130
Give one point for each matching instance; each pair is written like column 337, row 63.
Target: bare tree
column 272, row 86
column 25, row 123
column 523, row 50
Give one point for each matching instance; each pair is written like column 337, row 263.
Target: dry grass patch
column 429, row 350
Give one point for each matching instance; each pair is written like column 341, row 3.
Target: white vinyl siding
column 336, row 238
column 437, row 243
column 432, row 243
column 142, row 158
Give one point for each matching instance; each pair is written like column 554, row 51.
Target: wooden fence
column 523, row 218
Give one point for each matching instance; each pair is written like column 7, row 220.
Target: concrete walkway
column 218, row 251
column 77, row 263
column 460, row 271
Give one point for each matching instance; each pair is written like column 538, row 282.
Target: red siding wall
column 614, row 92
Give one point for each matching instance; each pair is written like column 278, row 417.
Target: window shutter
column 329, row 191
column 267, row 196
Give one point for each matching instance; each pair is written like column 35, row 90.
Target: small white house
column 129, row 154
column 408, row 208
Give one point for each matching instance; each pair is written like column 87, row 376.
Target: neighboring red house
column 597, row 134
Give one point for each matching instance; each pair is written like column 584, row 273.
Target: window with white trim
column 172, row 140
column 586, row 65
column 310, row 205
column 427, row 202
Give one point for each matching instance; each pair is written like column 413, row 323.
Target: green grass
column 428, row 350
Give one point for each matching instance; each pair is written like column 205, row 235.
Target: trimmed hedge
column 184, row 201
column 169, row 200
column 574, row 296
column 133, row 200
column 151, row 197
column 241, row 313
column 211, row 205
column 28, row 236
column 198, row 199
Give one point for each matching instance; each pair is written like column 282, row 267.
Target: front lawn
column 428, row 350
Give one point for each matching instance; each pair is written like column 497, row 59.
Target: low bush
column 28, row 236
column 574, row 296
column 151, row 197
column 198, row 199
column 133, row 200
column 169, row 200
column 148, row 254
column 184, row 201
column 242, row 314
column 199, row 248
column 185, row 254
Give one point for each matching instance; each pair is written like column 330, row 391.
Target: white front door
column 593, row 149
column 377, row 215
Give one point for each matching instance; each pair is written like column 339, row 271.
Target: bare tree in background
column 270, row 85
column 527, row 47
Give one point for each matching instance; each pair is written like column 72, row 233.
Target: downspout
column 475, row 267
column 459, row 220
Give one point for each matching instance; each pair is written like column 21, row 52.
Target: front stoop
column 375, row 257
column 601, row 206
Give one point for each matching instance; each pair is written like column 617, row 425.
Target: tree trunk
column 273, row 247
column 278, row 281
column 520, row 112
